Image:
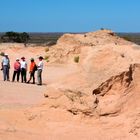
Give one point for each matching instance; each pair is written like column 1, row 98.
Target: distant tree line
column 15, row 37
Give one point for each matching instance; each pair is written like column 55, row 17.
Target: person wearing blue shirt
column 5, row 67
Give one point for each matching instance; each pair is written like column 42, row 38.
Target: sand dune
column 96, row 98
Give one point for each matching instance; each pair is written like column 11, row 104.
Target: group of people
column 20, row 68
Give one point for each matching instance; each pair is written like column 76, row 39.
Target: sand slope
column 97, row 98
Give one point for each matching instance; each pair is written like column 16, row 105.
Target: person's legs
column 4, row 73
column 30, row 78
column 14, row 75
column 33, row 75
column 22, row 74
column 25, row 80
column 7, row 73
column 18, row 74
column 39, row 77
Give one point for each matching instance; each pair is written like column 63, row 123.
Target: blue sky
column 69, row 15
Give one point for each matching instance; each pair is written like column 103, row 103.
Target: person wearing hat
column 33, row 68
column 5, row 64
column 39, row 70
column 16, row 70
column 23, row 68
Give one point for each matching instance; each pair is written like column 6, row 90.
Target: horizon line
column 61, row 32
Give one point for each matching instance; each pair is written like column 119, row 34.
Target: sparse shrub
column 2, row 54
column 15, row 37
column 122, row 55
column 76, row 59
column 112, row 34
column 46, row 49
column 102, row 29
column 127, row 38
column 47, row 58
column 51, row 43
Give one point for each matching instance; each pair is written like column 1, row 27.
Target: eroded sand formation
column 96, row 98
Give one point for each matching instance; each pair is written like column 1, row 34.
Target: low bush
column 76, row 59
column 47, row 58
column 2, row 54
column 127, row 38
column 46, row 49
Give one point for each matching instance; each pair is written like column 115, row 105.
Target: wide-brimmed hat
column 17, row 59
column 6, row 54
column 23, row 57
column 32, row 59
column 40, row 57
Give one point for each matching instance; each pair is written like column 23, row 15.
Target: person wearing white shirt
column 5, row 67
column 39, row 70
column 23, row 67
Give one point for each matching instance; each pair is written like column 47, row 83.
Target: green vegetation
column 76, row 59
column 46, row 49
column 102, row 29
column 2, row 54
column 47, row 58
column 133, row 37
column 15, row 37
column 45, row 39
column 127, row 38
column 49, row 39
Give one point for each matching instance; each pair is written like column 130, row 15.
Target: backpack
column 35, row 67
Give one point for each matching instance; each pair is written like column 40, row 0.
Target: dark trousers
column 39, row 76
column 32, row 75
column 6, row 72
column 14, row 75
column 23, row 75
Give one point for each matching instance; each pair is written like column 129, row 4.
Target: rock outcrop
column 108, row 99
column 103, row 84
column 71, row 45
column 106, row 69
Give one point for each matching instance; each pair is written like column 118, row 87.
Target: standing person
column 23, row 68
column 33, row 68
column 5, row 64
column 39, row 70
column 16, row 70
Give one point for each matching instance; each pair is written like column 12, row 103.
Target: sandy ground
column 27, row 115
column 22, row 115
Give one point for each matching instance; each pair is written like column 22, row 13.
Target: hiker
column 23, row 68
column 33, row 68
column 16, row 70
column 5, row 64
column 39, row 70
